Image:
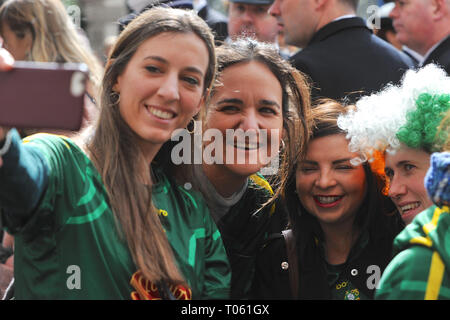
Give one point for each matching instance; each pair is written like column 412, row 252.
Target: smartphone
column 43, row 95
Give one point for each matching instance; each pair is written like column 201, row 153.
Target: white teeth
column 160, row 114
column 410, row 206
column 251, row 146
column 326, row 199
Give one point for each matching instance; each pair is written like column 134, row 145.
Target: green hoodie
column 421, row 267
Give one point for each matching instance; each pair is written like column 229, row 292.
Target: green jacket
column 421, row 267
column 68, row 245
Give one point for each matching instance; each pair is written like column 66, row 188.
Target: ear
column 319, row 4
column 439, row 9
column 117, row 85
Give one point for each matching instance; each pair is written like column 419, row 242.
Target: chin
column 244, row 170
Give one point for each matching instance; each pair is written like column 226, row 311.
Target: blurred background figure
column 215, row 19
column 387, row 32
column 339, row 53
column 108, row 44
column 41, row 30
column 424, row 26
column 250, row 18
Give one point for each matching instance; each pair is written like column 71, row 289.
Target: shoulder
column 406, row 275
column 272, row 270
column 62, row 153
column 273, row 249
column 167, row 187
column 261, row 189
column 257, row 181
column 441, row 55
column 50, row 141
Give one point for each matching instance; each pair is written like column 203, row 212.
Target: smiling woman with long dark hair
column 342, row 224
column 102, row 205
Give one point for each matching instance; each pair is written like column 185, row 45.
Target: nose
column 397, row 189
column 394, row 12
column 249, row 121
column 274, row 9
column 325, row 180
column 168, row 88
column 247, row 17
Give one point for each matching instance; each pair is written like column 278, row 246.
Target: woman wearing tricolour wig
column 105, row 209
column 400, row 124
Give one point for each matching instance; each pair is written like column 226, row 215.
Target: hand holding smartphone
column 43, row 95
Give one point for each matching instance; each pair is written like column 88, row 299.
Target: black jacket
column 244, row 232
column 272, row 281
column 344, row 56
column 441, row 55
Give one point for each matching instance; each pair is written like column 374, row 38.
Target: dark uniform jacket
column 217, row 21
column 440, row 55
column 344, row 57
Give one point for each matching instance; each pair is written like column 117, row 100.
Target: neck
column 338, row 241
column 224, row 181
column 436, row 38
column 332, row 11
column 149, row 150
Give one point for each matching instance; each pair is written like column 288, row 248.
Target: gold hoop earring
column 283, row 146
column 191, row 126
column 115, row 98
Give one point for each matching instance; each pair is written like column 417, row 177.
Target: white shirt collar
column 345, row 17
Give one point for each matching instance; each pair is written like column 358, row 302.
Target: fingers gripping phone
column 43, row 95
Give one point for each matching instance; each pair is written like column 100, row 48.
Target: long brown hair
column 114, row 151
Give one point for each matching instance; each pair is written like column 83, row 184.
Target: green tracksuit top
column 69, row 247
column 421, row 268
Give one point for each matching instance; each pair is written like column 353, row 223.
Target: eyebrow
column 269, row 103
column 400, row 163
column 231, row 100
column 240, row 102
column 164, row 61
column 334, row 162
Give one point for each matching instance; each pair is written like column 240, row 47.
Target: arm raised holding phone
column 6, row 63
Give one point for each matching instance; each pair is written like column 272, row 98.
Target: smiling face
column 162, row 86
column 328, row 185
column 406, row 170
column 249, row 99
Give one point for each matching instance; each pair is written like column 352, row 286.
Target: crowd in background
column 357, row 117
